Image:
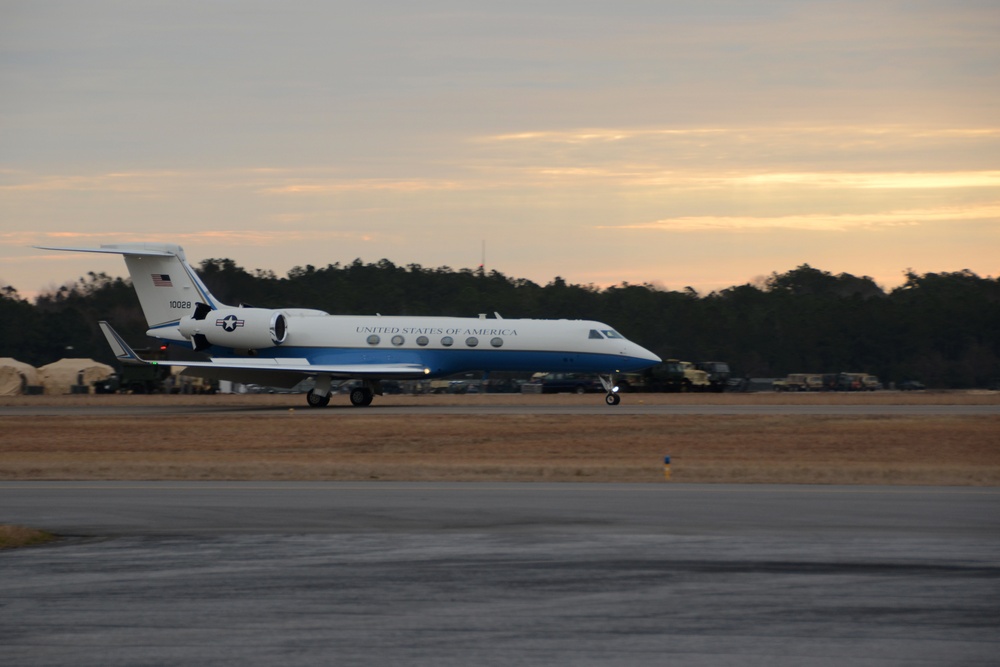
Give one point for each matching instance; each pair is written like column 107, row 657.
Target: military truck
column 718, row 374
column 799, row 382
column 145, row 378
column 865, row 382
column 851, row 382
column 671, row 375
column 695, row 379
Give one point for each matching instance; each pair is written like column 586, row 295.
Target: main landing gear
column 319, row 396
column 317, row 401
column 608, row 382
column 361, row 397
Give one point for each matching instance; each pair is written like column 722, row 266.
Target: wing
column 124, row 353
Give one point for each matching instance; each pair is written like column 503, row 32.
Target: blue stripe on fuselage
column 448, row 362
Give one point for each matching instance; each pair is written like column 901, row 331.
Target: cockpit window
column 611, row 333
column 594, row 333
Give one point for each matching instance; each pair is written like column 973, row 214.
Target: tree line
column 940, row 328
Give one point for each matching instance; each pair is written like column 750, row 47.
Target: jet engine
column 244, row 328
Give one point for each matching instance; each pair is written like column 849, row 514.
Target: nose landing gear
column 608, row 382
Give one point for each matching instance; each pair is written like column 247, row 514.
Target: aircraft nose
column 649, row 356
column 640, row 353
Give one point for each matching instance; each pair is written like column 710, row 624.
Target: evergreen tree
column 941, row 328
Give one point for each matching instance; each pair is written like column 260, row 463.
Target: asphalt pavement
column 442, row 574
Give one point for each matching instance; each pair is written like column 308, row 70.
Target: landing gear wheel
column 361, row 397
column 612, row 399
column 317, row 401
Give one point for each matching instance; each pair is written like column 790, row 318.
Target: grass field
column 298, row 443
column 12, row 537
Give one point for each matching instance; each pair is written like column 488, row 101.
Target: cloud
column 304, row 180
column 154, row 182
column 598, row 135
column 833, row 133
column 109, row 182
column 694, row 179
column 877, row 181
column 816, row 222
column 823, row 156
column 364, row 185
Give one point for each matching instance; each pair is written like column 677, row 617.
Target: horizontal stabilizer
column 113, row 250
column 119, row 347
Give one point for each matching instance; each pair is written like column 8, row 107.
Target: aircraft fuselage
column 443, row 345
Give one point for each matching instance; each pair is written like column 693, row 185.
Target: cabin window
column 472, row 341
column 611, row 333
column 374, row 340
column 447, row 341
column 497, row 342
column 422, row 341
column 398, row 340
column 594, row 333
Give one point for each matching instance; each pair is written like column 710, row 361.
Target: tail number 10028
column 180, row 304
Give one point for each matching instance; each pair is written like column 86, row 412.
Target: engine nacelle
column 243, row 328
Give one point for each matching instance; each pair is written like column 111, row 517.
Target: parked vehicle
column 665, row 376
column 851, row 382
column 576, row 383
column 870, row 383
column 454, row 385
column 146, row 378
column 718, row 374
column 671, row 375
column 695, row 379
column 911, row 385
column 799, row 382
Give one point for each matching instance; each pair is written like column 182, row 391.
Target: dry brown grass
column 971, row 397
column 303, row 444
column 12, row 537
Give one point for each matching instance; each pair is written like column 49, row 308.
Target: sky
column 704, row 144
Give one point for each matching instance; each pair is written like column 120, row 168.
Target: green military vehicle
column 718, row 374
column 851, row 382
column 145, row 378
column 671, row 375
column 799, row 382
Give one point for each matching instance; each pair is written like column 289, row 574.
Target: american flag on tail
column 161, row 280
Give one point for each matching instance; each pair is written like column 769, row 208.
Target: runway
column 416, row 407
column 363, row 573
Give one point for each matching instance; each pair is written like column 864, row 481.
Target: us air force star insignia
column 229, row 323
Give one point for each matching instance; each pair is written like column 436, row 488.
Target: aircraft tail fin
column 167, row 286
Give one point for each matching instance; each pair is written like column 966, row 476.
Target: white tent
column 15, row 376
column 60, row 376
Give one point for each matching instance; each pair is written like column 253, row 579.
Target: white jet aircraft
column 279, row 347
